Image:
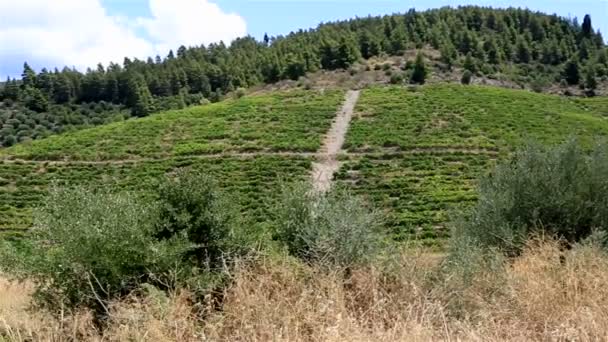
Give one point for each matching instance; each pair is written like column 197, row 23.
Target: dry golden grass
column 546, row 294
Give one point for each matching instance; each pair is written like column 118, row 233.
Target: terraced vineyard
column 284, row 121
column 248, row 145
column 417, row 151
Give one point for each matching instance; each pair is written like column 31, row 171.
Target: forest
column 526, row 46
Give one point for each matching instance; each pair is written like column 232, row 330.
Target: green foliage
column 88, row 246
column 419, row 154
column 558, row 192
column 334, row 229
column 571, row 72
column 469, row 64
column 140, row 99
column 396, row 78
column 466, row 77
column 419, row 72
column 590, row 80
column 35, row 100
column 191, row 207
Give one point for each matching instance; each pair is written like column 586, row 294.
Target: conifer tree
column 419, row 72
column 571, row 72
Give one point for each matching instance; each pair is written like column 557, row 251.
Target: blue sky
column 282, row 16
column 81, row 33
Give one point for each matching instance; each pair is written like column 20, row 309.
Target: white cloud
column 81, row 33
column 192, row 22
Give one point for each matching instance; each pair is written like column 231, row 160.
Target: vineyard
column 248, row 145
column 283, row 121
column 415, row 152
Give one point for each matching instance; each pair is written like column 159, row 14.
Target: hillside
column 413, row 151
column 511, row 46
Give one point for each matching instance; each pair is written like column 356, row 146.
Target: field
column 282, row 121
column 416, row 152
column 248, row 145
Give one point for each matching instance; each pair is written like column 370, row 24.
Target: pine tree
column 347, row 54
column 466, row 77
column 28, row 77
column 11, row 90
column 294, row 66
column 35, row 100
column 140, row 100
column 419, row 73
column 523, row 51
column 469, row 64
column 587, row 27
column 492, row 53
column 62, row 89
column 590, row 81
column 448, row 54
column 571, row 72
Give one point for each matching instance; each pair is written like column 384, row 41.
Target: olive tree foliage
column 88, row 246
column 557, row 191
column 333, row 229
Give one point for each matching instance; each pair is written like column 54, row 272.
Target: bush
column 396, row 78
column 191, row 206
column 88, row 246
column 240, row 92
column 538, row 84
column 333, row 229
column 466, row 77
column 558, row 191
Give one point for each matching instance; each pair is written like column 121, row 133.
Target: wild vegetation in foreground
column 527, row 262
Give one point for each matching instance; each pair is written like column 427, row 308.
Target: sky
column 83, row 33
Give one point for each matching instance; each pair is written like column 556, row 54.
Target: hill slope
column 506, row 45
column 417, row 152
column 413, row 151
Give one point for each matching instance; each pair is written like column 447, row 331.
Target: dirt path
column 324, row 169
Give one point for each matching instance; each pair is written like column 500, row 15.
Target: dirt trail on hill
column 324, row 169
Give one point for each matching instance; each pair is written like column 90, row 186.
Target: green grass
column 282, row 121
column 423, row 148
column 597, row 105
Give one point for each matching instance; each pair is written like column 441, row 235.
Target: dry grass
column 546, row 294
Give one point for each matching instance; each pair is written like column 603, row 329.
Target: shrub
column 396, row 78
column 240, row 92
column 88, row 246
column 466, row 77
column 333, row 229
column 538, row 84
column 558, row 191
column 190, row 205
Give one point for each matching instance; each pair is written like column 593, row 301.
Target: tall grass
column 547, row 293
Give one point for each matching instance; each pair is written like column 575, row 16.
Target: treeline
column 525, row 44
